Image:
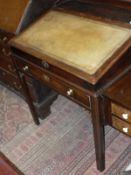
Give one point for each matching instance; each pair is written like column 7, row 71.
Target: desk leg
column 98, row 127
column 29, row 99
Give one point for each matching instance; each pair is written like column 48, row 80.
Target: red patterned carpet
column 61, row 145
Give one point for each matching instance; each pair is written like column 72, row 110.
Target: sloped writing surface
column 77, row 41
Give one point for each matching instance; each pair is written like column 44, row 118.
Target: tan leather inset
column 77, row 41
column 11, row 12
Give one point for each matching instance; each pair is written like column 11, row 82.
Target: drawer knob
column 6, row 53
column 25, row 69
column 5, row 38
column 11, row 69
column 125, row 116
column 125, row 130
column 45, row 65
column 129, row 22
column 46, row 78
column 18, row 87
column 70, row 92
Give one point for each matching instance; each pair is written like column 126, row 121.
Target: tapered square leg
column 99, row 135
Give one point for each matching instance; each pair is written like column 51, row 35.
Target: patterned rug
column 61, row 145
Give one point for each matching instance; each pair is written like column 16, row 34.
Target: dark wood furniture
column 75, row 80
column 118, row 104
column 116, row 10
column 7, row 167
column 15, row 16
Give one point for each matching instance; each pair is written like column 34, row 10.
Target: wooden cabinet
column 15, row 16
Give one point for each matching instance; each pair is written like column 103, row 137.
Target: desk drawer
column 60, row 85
column 5, row 53
column 5, row 37
column 121, row 125
column 121, row 112
column 5, row 50
column 7, row 64
column 10, row 80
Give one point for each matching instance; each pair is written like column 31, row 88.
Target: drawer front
column 121, row 112
column 5, row 50
column 63, row 88
column 7, row 64
column 5, row 37
column 121, row 125
column 10, row 80
column 61, row 85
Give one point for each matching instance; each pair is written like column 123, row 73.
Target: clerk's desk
column 77, row 56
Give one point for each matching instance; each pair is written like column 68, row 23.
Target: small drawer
column 121, row 125
column 5, row 50
column 5, row 37
column 10, row 80
column 121, row 112
column 55, row 82
column 7, row 64
column 66, row 89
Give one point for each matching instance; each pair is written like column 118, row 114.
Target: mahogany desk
column 76, row 56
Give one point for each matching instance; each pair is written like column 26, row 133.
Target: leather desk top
column 78, row 42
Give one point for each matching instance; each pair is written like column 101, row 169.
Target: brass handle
column 5, row 38
column 11, row 69
column 6, row 53
column 70, row 92
column 46, row 78
column 26, row 68
column 45, row 65
column 17, row 86
column 125, row 116
column 125, row 130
